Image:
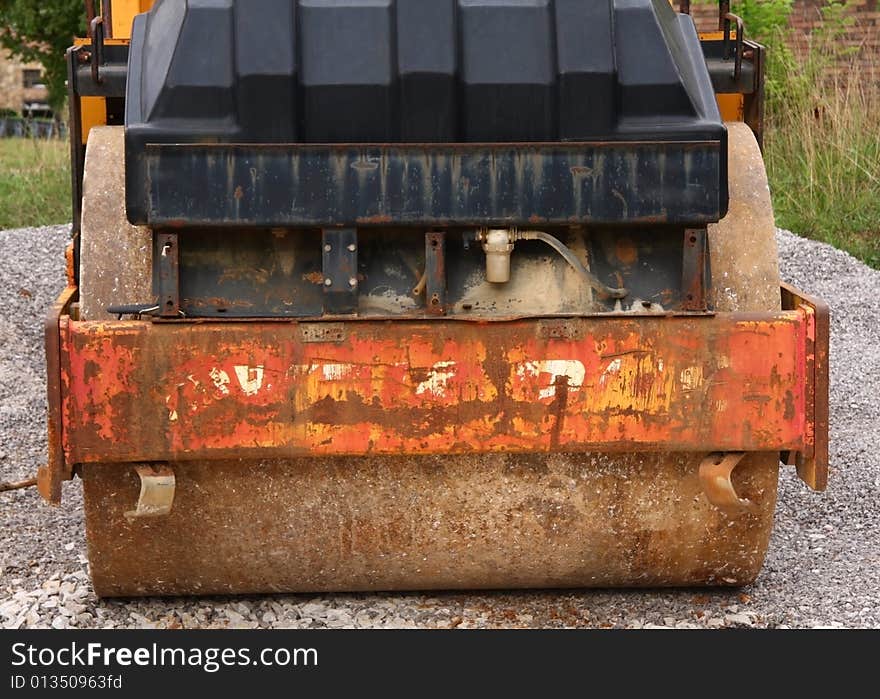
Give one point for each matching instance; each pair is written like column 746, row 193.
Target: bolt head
column 328, row 282
column 352, row 282
column 352, row 247
column 328, row 248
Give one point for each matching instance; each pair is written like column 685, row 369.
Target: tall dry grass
column 822, row 146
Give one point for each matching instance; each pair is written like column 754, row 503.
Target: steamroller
column 424, row 294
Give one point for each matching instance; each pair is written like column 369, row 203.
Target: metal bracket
column 695, row 270
column 435, row 272
column 95, row 23
column 340, row 261
column 96, row 32
column 157, row 492
column 812, row 462
column 715, row 472
column 136, row 310
column 167, row 260
column 322, row 332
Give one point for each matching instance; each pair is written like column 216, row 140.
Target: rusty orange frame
column 140, row 391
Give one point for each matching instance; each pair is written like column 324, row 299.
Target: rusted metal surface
column 435, row 272
column 140, row 391
column 673, row 182
column 715, row 477
column 57, row 469
column 275, row 273
column 812, row 463
column 340, row 270
column 422, row 522
column 166, row 254
column 695, row 269
column 70, row 264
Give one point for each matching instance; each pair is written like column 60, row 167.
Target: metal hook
column 715, row 472
column 157, row 492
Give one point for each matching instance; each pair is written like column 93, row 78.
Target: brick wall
column 863, row 36
column 13, row 94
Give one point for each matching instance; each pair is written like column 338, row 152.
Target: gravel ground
column 823, row 568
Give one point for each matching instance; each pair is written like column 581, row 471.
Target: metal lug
column 715, row 472
column 157, row 492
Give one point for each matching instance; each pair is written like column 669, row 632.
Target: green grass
column 34, row 182
column 823, row 160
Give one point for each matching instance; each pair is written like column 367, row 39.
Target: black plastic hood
column 415, row 72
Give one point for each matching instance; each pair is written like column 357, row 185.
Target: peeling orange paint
column 254, row 389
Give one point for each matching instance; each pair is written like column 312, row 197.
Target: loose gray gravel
column 823, row 568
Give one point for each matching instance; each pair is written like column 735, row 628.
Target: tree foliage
column 42, row 31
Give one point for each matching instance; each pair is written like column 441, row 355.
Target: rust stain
column 374, row 220
column 313, row 278
column 625, row 250
column 70, row 268
column 559, row 407
column 790, row 410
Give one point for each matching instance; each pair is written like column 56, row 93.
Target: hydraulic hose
column 603, row 290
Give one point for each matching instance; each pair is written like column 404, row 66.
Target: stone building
column 21, row 87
